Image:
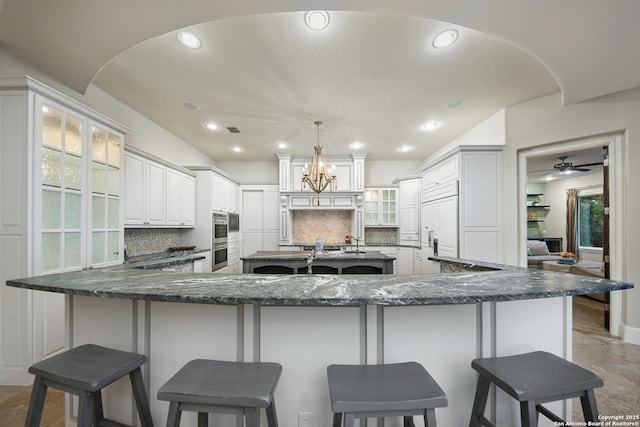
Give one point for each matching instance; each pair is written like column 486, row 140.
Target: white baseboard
column 630, row 334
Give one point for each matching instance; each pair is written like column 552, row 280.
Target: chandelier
column 318, row 177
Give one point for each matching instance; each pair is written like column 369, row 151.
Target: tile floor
column 616, row 362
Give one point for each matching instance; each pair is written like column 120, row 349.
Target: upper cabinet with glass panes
column 78, row 188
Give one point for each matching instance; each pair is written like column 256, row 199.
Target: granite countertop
column 327, row 255
column 164, row 259
column 487, row 282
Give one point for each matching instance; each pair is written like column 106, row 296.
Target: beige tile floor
column 616, row 362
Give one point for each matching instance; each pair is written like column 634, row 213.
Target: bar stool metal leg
column 272, row 418
column 36, row 403
column 173, row 419
column 85, row 409
column 589, row 406
column 528, row 413
column 479, row 402
column 140, row 395
column 430, row 418
column 98, row 414
column 349, row 418
column 251, row 417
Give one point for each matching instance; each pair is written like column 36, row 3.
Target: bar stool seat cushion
column 387, row 387
column 222, row 383
column 88, row 367
column 536, row 376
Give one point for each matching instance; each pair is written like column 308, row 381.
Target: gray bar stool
column 368, row 391
column 532, row 379
column 212, row 386
column 85, row 371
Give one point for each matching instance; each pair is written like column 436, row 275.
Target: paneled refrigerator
column 439, row 219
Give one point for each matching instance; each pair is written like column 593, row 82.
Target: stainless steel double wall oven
column 219, row 245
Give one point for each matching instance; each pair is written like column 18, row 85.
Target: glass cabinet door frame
column 85, row 193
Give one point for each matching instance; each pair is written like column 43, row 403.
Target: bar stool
column 85, row 371
column 212, row 386
column 532, row 379
column 400, row 389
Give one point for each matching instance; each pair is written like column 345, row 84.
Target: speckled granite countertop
column 164, row 259
column 497, row 283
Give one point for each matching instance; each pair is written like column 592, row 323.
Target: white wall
column 380, row 172
column 265, row 172
column 546, row 121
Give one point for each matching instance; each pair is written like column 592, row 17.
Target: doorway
column 548, row 160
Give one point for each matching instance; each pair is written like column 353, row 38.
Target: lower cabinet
column 404, row 260
column 203, row 265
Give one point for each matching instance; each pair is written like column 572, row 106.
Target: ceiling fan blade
column 589, row 164
column 577, row 169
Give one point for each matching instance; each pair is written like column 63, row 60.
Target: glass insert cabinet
column 80, row 224
column 60, row 210
column 381, row 207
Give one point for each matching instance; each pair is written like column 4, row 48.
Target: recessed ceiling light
column 212, row 126
column 190, row 106
column 356, row 145
column 236, row 149
column 405, row 148
column 317, row 19
column 281, row 145
column 432, row 125
column 454, row 105
column 445, row 39
column 189, row 40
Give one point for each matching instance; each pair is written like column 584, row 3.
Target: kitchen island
column 335, row 262
column 306, row 322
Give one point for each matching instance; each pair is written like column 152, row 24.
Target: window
column 590, row 220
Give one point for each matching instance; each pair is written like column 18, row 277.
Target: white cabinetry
column 181, row 199
column 260, row 225
column 210, row 182
column 60, row 210
column 405, row 260
column 225, row 197
column 381, row 207
column 203, row 265
column 461, row 205
column 157, row 194
column 409, row 201
column 234, row 266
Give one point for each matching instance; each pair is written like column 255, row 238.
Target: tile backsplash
column 381, row 236
column 332, row 226
column 142, row 241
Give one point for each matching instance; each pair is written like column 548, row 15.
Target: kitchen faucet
column 357, row 239
column 312, row 256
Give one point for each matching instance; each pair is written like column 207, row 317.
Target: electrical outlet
column 305, row 419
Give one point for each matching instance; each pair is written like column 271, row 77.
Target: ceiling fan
column 569, row 167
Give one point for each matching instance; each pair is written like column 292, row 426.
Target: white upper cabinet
column 181, row 198
column 225, row 194
column 381, row 207
column 157, row 194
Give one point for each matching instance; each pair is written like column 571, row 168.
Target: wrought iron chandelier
column 318, row 177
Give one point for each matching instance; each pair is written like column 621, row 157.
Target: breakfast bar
column 307, row 322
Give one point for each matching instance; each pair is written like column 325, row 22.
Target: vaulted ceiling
column 373, row 76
